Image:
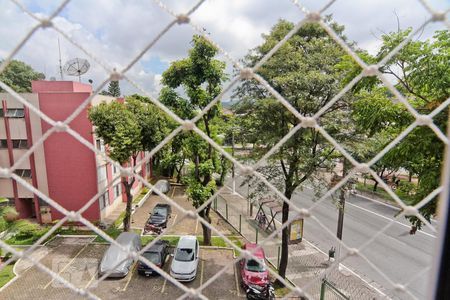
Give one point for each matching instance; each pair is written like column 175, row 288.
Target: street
column 401, row 257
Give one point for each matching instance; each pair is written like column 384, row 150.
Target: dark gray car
column 115, row 261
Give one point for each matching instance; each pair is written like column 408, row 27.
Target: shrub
column 9, row 213
column 24, row 229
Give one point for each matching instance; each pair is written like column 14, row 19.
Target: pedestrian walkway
column 306, row 263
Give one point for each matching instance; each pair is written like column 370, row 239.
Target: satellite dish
column 76, row 67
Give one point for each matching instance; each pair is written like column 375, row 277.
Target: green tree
column 304, row 70
column 200, row 76
column 422, row 74
column 18, row 75
column 127, row 129
column 113, row 89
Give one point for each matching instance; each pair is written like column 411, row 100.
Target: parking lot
column 176, row 224
column 76, row 260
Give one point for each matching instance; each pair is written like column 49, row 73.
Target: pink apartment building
column 61, row 168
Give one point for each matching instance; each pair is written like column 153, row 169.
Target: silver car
column 185, row 259
column 115, row 255
column 163, row 186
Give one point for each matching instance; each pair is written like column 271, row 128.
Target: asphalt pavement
column 393, row 257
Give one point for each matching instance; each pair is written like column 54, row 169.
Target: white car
column 185, row 259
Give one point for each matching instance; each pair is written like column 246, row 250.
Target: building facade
column 61, row 167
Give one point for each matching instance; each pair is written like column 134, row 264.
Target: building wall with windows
column 61, row 167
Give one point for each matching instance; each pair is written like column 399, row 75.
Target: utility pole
column 341, row 203
column 232, row 153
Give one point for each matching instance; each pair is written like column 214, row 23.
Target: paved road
column 403, row 258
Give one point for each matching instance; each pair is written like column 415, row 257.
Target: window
column 100, row 145
column 117, row 190
column 104, row 200
column 13, row 113
column 101, row 173
column 17, row 144
column 25, row 173
column 115, row 170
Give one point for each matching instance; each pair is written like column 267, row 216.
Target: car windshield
column 184, row 254
column 153, row 257
column 159, row 211
column 254, row 266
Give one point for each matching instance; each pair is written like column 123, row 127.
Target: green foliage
column 25, row 232
column 18, row 75
column 198, row 192
column 118, row 128
column 8, row 214
column 127, row 129
column 200, row 76
column 305, row 71
column 113, row 89
column 422, row 73
column 112, row 231
column 6, row 274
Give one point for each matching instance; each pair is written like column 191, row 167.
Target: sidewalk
column 306, row 262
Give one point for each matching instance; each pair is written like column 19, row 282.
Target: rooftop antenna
column 60, row 63
column 76, row 67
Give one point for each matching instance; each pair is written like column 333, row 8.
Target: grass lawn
column 6, row 274
column 380, row 192
column 173, row 240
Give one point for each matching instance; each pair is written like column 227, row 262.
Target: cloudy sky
column 116, row 30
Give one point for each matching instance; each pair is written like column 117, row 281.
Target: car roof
column 162, row 205
column 187, row 241
column 255, row 249
column 126, row 237
column 158, row 246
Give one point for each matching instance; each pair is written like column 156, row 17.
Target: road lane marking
column 92, row 279
column 173, row 223
column 384, row 217
column 129, row 277
column 65, row 267
column 201, row 272
column 196, row 226
column 376, row 201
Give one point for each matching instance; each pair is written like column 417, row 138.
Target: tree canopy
column 18, row 75
column 113, row 89
column 200, row 76
column 127, row 129
column 304, row 71
column 422, row 74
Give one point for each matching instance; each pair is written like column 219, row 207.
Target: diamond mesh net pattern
column 190, row 125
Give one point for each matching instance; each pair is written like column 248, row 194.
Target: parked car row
column 117, row 263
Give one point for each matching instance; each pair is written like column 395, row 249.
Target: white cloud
column 116, row 31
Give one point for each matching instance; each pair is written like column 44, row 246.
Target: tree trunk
column 204, row 213
column 285, row 236
column 127, row 219
column 376, row 182
column 179, row 175
column 223, row 173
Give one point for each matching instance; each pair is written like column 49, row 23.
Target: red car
column 253, row 272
